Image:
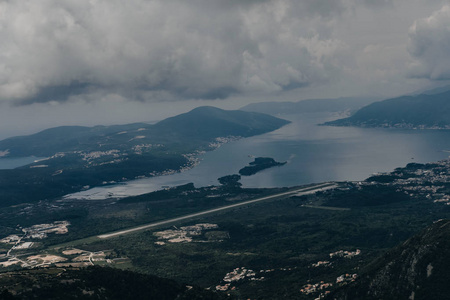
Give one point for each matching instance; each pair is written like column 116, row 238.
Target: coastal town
column 430, row 181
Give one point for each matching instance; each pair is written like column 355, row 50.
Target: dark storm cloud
column 182, row 49
column 379, row 3
column 157, row 50
column 430, row 46
column 55, row 93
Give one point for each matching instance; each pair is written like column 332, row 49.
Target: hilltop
column 425, row 111
column 203, row 124
column 210, row 122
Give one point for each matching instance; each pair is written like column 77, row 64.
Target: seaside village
column 430, row 181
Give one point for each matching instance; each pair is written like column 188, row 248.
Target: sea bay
column 11, row 163
column 313, row 154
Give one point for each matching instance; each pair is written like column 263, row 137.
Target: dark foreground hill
column 421, row 111
column 95, row 283
column 417, row 269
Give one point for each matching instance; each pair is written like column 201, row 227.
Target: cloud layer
column 156, row 50
column 143, row 49
column 430, row 46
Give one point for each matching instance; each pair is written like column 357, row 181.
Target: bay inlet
column 314, row 154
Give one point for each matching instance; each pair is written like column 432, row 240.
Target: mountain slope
column 422, row 111
column 209, row 122
column 61, row 139
column 202, row 124
column 95, row 283
column 417, row 269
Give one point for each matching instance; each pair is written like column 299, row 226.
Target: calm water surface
column 11, row 163
column 314, row 154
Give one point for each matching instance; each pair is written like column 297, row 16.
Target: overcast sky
column 113, row 61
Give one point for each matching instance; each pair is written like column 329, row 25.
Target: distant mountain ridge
column 210, row 122
column 417, row 269
column 425, row 111
column 60, row 139
column 309, row 106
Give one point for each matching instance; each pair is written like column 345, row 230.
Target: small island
column 230, row 180
column 259, row 164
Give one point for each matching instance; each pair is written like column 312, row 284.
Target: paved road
column 297, row 192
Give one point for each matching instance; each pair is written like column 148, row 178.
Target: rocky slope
column 417, row 269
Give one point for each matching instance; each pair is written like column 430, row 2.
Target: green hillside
column 65, row 138
column 202, row 124
column 95, row 283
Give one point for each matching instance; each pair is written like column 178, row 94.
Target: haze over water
column 314, row 154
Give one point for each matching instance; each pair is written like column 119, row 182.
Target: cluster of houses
column 183, row 234
column 345, row 253
column 431, row 181
column 237, row 275
column 39, row 231
column 323, row 263
column 139, row 149
column 219, row 141
column 321, row 287
column 24, row 241
column 345, row 278
column 309, row 288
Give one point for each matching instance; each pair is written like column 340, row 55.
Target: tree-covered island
column 259, row 164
